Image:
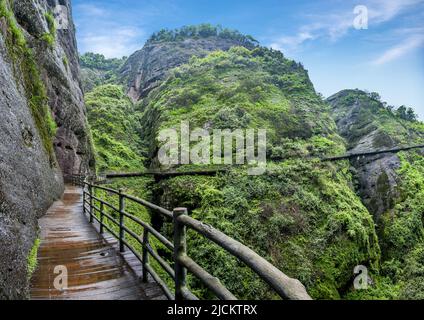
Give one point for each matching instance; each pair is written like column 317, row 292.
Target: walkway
column 96, row 270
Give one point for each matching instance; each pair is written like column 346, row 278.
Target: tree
column 375, row 96
column 390, row 108
column 401, row 112
column 411, row 115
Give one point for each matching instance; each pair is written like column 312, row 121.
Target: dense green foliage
column 302, row 215
column 114, row 122
column 97, row 70
column 202, row 31
column 400, row 228
column 26, row 69
column 242, row 89
column 401, row 237
column 392, row 128
column 98, row 61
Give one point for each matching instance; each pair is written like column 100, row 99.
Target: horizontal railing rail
column 96, row 207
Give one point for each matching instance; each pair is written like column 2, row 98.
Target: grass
column 50, row 37
column 32, row 258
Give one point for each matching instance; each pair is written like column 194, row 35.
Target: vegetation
column 392, row 127
column 98, row 61
column 65, row 62
column 114, row 123
column 303, row 215
column 97, row 70
column 401, row 237
column 202, row 31
column 32, row 258
column 50, row 37
column 26, row 69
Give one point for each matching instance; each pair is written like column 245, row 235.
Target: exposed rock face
column 92, row 78
column 366, row 126
column 30, row 177
column 146, row 68
column 61, row 74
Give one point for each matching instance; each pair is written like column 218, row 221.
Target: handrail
column 372, row 153
column 283, row 285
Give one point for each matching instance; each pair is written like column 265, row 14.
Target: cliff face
column 42, row 127
column 145, row 69
column 60, row 72
column 390, row 185
column 367, row 125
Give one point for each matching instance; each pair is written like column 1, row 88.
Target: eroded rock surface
column 30, row 175
column 145, row 69
column 366, row 126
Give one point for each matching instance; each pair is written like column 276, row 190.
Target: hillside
column 300, row 207
column 390, row 185
column 114, row 124
column 315, row 221
column 96, row 70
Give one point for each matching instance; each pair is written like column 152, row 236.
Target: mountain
column 43, row 128
column 390, row 185
column 314, row 220
column 303, row 215
column 97, row 70
column 167, row 49
column 367, row 124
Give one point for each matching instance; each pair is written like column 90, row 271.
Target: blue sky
column 387, row 57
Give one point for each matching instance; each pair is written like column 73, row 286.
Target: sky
column 374, row 45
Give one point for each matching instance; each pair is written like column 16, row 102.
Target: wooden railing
column 284, row 286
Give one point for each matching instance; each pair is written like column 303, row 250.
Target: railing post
column 90, row 191
column 101, row 217
column 121, row 221
column 180, row 249
column 145, row 254
column 83, row 201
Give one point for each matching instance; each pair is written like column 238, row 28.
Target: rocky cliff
column 390, row 185
column 367, row 125
column 145, row 69
column 43, row 130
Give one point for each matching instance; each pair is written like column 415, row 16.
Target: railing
column 372, row 153
column 283, row 285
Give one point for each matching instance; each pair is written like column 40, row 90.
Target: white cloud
column 91, row 10
column 400, row 50
column 385, row 10
column 335, row 25
column 116, row 42
column 291, row 42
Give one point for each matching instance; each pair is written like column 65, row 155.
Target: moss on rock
column 26, row 70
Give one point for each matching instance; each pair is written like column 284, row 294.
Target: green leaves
column 114, row 122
